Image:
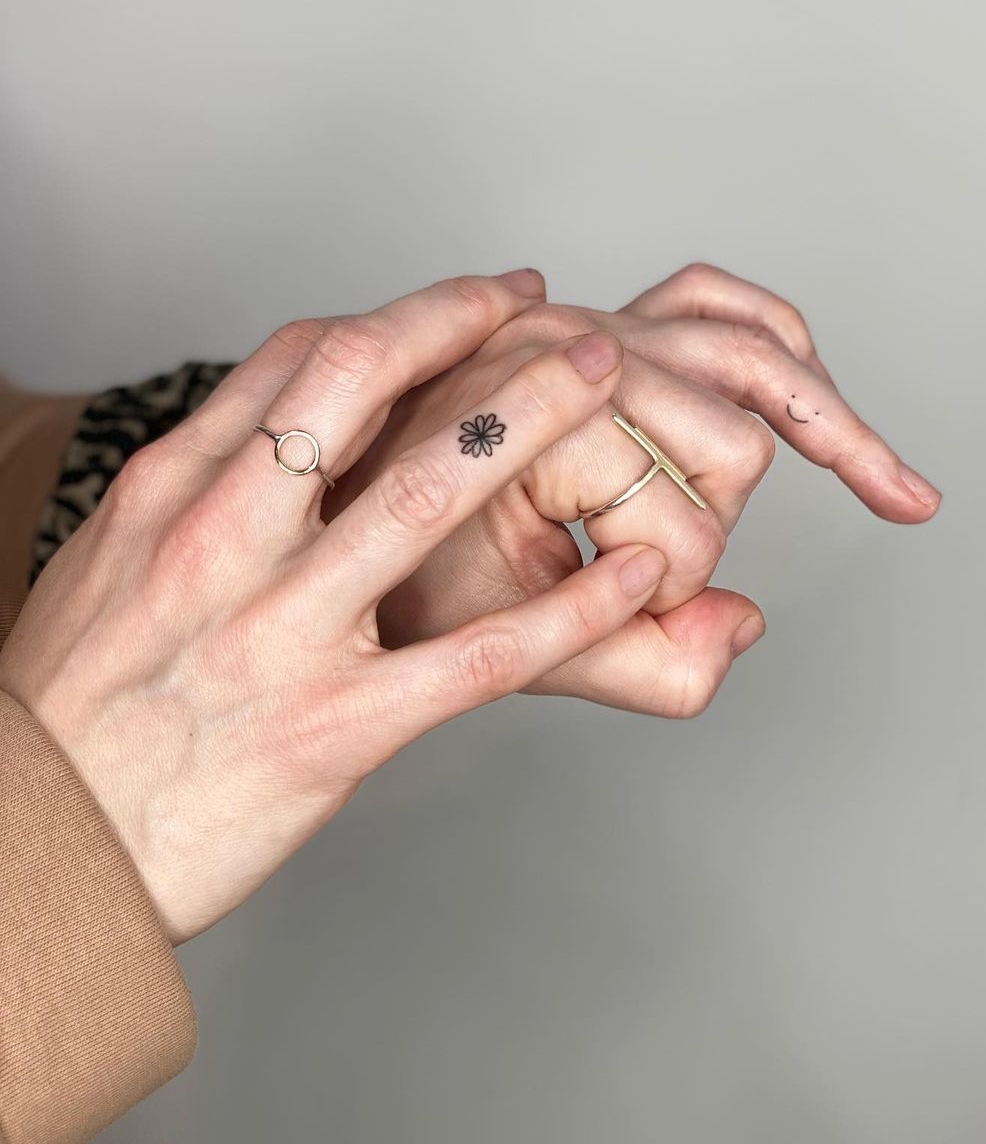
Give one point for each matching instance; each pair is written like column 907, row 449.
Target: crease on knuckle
column 585, row 617
column 556, row 321
column 853, row 448
column 298, row 336
column 700, row 547
column 694, row 690
column 475, row 297
column 536, row 396
column 755, row 342
column 417, row 492
column 353, row 347
column 758, row 362
column 489, row 662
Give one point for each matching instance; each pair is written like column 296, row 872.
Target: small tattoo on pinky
column 479, row 436
column 800, row 420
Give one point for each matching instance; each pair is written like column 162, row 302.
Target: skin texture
column 205, row 649
column 712, row 361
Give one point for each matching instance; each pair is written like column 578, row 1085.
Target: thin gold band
column 662, row 463
column 279, row 438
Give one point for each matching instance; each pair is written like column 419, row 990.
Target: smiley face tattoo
column 800, row 420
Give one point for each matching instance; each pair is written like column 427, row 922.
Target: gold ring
column 280, row 438
column 662, row 463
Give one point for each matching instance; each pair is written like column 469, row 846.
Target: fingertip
column 750, row 629
column 885, row 492
column 919, row 489
column 527, row 282
column 596, row 355
column 641, row 573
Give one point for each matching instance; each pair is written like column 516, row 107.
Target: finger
column 804, row 408
column 505, row 651
column 722, row 450
column 336, row 378
column 670, row 665
column 660, row 514
column 433, row 487
column 703, row 291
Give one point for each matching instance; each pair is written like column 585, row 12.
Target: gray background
column 548, row 921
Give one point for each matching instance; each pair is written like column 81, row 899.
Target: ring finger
column 723, row 451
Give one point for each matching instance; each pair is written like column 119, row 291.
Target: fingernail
column 642, row 571
column 925, row 492
column 747, row 634
column 529, row 283
column 595, row 355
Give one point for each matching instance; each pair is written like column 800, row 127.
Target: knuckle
column 792, row 320
column 790, row 314
column 856, row 442
column 354, row 346
column 695, row 692
column 134, row 483
column 699, row 272
column 584, row 616
column 536, row 395
column 297, row 336
column 191, row 545
column 417, row 492
column 700, row 547
column 557, row 322
column 753, row 454
column 475, row 296
column 762, row 450
column 489, row 662
column 754, row 341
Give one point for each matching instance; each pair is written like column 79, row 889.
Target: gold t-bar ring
column 662, row 464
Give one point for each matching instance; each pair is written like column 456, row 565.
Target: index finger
column 322, row 363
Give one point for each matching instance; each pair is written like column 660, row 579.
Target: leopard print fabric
column 113, row 426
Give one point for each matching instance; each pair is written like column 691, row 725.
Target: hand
column 703, row 349
column 205, row 650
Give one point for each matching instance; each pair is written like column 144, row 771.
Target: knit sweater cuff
column 94, row 1010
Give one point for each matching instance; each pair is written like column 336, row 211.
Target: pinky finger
column 702, row 291
column 504, row 651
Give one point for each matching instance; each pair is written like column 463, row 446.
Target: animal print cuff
column 114, row 425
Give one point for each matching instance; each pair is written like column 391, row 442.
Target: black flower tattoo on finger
column 482, row 434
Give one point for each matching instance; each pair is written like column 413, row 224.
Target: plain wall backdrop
column 550, row 922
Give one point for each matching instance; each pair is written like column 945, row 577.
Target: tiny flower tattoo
column 482, row 434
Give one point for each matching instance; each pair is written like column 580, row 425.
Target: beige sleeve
column 94, row 1011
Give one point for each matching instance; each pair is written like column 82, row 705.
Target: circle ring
column 279, row 441
column 280, row 438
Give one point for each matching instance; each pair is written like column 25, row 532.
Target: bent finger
column 670, row 665
column 703, row 291
column 505, row 651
